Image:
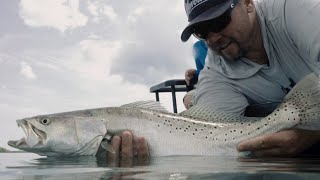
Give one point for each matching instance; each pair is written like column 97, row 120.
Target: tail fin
column 305, row 97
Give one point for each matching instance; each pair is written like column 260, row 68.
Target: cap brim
column 211, row 13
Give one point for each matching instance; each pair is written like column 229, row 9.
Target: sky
column 63, row 55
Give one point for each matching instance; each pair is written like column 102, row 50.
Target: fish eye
column 45, row 121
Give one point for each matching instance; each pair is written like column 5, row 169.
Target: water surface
column 31, row 166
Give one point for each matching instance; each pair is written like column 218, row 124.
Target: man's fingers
column 258, row 143
column 143, row 148
column 126, row 145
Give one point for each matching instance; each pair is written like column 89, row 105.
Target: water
column 30, row 166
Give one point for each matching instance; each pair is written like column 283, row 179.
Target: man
column 258, row 50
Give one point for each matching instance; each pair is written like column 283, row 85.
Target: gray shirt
column 291, row 37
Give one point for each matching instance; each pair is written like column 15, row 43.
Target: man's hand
column 189, row 75
column 283, row 143
column 127, row 148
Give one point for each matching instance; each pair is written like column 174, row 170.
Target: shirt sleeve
column 302, row 24
column 219, row 94
column 200, row 53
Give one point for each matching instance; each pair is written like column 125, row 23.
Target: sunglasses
column 201, row 30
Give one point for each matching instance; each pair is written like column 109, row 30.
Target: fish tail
column 305, row 98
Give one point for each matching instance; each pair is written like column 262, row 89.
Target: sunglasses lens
column 216, row 25
column 200, row 32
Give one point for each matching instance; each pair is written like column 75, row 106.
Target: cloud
column 59, row 14
column 138, row 12
column 26, row 71
column 100, row 11
column 91, row 58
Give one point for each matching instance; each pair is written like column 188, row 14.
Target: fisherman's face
column 233, row 41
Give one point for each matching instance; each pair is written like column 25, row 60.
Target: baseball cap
column 202, row 10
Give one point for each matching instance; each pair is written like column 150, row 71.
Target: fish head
column 58, row 135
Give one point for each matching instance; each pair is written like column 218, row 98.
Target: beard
column 241, row 52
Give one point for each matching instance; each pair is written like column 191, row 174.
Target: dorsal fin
column 153, row 105
column 205, row 112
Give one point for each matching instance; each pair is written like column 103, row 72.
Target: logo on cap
column 191, row 4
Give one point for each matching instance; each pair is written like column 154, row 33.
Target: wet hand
column 189, row 75
column 128, row 150
column 283, row 143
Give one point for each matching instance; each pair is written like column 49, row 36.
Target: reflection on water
column 30, row 166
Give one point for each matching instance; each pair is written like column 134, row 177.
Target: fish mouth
column 34, row 137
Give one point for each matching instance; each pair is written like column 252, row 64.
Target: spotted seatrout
column 197, row 131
